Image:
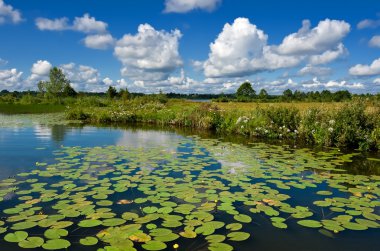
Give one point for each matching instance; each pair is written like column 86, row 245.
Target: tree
column 288, row 94
column 124, row 94
column 245, row 91
column 42, row 87
column 57, row 83
column 263, row 94
column 111, row 92
column 69, row 91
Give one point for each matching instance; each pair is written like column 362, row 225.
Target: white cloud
column 368, row 23
column 85, row 24
column 234, row 49
column 97, row 38
column 84, row 78
column 183, row 6
column 375, row 41
column 41, row 67
column 88, row 24
column 10, row 79
column 331, row 85
column 376, row 81
column 8, row 14
column 108, row 81
column 314, row 71
column 241, row 48
column 366, row 70
column 58, row 24
column 40, row 71
column 326, row 35
column 150, row 54
column 329, row 55
column 99, row 41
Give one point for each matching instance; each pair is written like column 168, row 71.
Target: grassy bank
column 30, row 108
column 355, row 124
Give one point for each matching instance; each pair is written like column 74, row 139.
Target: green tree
column 68, row 91
column 124, row 94
column 111, row 92
column 245, row 91
column 287, row 94
column 42, row 87
column 263, row 94
column 57, row 83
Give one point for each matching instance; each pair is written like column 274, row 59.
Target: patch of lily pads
column 123, row 198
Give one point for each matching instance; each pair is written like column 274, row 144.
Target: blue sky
column 192, row 46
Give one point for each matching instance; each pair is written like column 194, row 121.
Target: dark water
column 22, row 147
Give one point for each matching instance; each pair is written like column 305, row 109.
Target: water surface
column 220, row 179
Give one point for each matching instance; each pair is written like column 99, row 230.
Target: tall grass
column 355, row 124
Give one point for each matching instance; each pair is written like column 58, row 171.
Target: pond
column 107, row 188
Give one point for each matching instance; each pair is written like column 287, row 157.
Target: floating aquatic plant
column 124, row 198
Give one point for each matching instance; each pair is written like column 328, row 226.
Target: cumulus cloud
column 183, row 6
column 326, row 35
column 366, row 70
column 40, row 70
column 88, row 24
column 150, row 54
column 99, row 41
column 231, row 53
column 368, row 23
column 314, row 71
column 85, row 24
column 10, row 79
column 41, row 67
column 331, row 85
column 375, row 41
column 97, row 34
column 241, row 48
column 83, row 78
column 57, row 24
column 329, row 55
column 376, row 81
column 8, row 14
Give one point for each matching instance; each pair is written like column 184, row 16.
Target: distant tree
column 245, row 91
column 111, row 92
column 124, row 94
column 287, row 94
column 263, row 94
column 342, row 95
column 68, row 91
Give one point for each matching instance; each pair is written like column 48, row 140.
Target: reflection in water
column 144, row 138
column 42, row 132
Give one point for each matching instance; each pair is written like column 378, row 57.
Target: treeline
column 58, row 87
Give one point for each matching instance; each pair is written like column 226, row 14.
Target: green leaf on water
column 88, row 241
column 310, row 223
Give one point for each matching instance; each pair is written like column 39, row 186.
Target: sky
column 192, row 46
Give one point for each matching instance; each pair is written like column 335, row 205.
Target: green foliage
column 111, row 92
column 245, row 92
column 69, row 91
